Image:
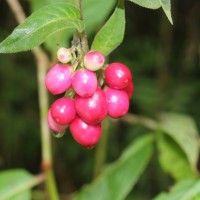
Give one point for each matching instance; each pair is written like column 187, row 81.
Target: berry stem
column 135, row 119
column 83, row 34
column 42, row 66
column 100, row 156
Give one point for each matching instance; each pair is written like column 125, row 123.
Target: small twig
column 17, row 10
column 18, row 189
column 135, row 119
column 101, row 150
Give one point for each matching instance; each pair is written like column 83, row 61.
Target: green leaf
column 173, row 159
column 117, row 180
column 151, row 4
column 112, row 33
column 155, row 4
column 183, row 130
column 188, row 189
column 12, row 179
column 37, row 4
column 166, row 5
column 41, row 24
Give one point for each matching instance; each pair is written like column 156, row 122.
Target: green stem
column 135, row 119
column 18, row 189
column 42, row 65
column 101, row 150
column 83, row 34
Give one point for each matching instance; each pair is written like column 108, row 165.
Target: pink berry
column 129, row 89
column 84, row 82
column 64, row 55
column 85, row 134
column 118, row 76
column 63, row 110
column 58, row 79
column 55, row 126
column 94, row 60
column 118, row 102
column 92, row 109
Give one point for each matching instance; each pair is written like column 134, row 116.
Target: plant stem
column 83, row 34
column 134, row 119
column 18, row 189
column 101, row 150
column 42, row 66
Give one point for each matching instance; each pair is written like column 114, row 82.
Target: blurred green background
column 165, row 63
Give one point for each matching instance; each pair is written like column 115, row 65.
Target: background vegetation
column 165, row 62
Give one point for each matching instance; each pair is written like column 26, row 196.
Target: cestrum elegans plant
column 89, row 89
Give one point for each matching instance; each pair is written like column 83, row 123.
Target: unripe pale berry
column 64, row 55
column 118, row 102
column 118, row 76
column 58, row 79
column 129, row 89
column 84, row 82
column 92, row 109
column 55, row 126
column 63, row 110
column 94, row 60
column 85, row 134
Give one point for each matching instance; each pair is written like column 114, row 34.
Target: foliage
column 12, row 179
column 176, row 135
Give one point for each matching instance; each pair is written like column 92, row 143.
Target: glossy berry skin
column 84, row 82
column 92, row 109
column 58, row 79
column 64, row 55
column 94, row 60
column 63, row 110
column 118, row 102
column 55, row 126
column 117, row 76
column 85, row 134
column 130, row 90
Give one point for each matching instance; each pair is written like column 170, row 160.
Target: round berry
column 55, row 126
column 85, row 134
column 118, row 76
column 63, row 110
column 129, row 89
column 58, row 79
column 118, row 102
column 84, row 82
column 92, row 109
column 64, row 55
column 94, row 60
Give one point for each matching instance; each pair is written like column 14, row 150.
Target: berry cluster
column 92, row 92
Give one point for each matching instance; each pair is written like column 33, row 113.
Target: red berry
column 64, row 55
column 118, row 76
column 118, row 102
column 92, row 109
column 55, row 126
column 58, row 79
column 63, row 110
column 94, row 60
column 129, row 89
column 85, row 134
column 84, row 82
